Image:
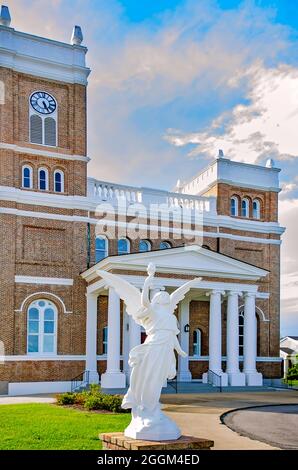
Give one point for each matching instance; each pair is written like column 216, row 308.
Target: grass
column 49, row 427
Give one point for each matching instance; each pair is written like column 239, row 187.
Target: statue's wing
column 126, row 291
column 181, row 292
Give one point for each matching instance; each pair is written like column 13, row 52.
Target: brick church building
column 58, row 322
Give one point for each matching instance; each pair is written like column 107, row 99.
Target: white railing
column 103, row 191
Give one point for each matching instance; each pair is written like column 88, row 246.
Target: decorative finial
column 221, row 153
column 77, row 36
column 5, row 18
column 270, row 163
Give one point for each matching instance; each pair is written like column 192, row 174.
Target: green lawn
column 46, row 426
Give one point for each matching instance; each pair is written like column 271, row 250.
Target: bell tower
column 43, row 112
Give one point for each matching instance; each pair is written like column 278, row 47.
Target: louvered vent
column 35, row 129
column 50, row 132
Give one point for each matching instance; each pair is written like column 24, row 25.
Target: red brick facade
column 40, row 240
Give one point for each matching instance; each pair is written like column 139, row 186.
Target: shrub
column 67, row 398
column 100, row 401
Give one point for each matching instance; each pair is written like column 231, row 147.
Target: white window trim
column 148, row 245
column 102, row 237
column 166, row 243
column 31, row 176
column 41, row 334
column 258, row 210
column 199, row 337
column 54, row 115
column 61, row 172
column 47, row 178
column 105, row 343
column 247, row 207
column 128, row 246
column 236, row 200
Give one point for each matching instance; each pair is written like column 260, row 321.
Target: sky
column 173, row 81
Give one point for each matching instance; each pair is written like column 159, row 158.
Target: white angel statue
column 154, row 361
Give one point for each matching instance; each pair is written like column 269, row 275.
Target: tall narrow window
column 59, row 181
column 245, row 207
column 36, row 133
column 27, row 178
column 105, row 340
column 197, row 340
column 123, row 246
column 256, row 209
column 50, row 132
column 164, row 245
column 43, row 179
column 241, row 332
column 144, row 245
column 42, row 328
column 234, row 206
column 101, row 249
column 43, row 115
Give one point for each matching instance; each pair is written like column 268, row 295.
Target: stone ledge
column 117, row 441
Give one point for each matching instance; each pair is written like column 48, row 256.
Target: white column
column 184, row 374
column 235, row 377
column 215, row 334
column 113, row 377
column 134, row 333
column 253, row 378
column 125, row 342
column 91, row 338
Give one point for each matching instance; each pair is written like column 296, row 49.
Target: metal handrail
column 218, row 377
column 80, row 380
column 173, row 383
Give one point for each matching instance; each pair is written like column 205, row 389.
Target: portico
column 224, row 282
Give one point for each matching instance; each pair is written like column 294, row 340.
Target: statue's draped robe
column 154, row 361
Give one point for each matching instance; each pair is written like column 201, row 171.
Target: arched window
column 42, row 328
column 234, row 206
column 36, row 134
column 245, row 207
column 144, row 245
column 256, row 207
column 59, row 181
column 197, row 342
column 101, row 248
column 164, row 245
column 27, row 177
column 43, row 179
column 123, row 246
column 50, row 132
column 105, row 340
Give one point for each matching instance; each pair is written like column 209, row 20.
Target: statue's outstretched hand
column 183, row 353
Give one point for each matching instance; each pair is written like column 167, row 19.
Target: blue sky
column 175, row 80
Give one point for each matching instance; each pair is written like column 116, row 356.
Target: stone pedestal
column 117, row 441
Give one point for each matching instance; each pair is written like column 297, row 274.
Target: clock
column 43, row 103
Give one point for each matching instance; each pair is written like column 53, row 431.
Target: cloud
column 265, row 127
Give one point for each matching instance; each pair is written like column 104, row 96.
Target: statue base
column 117, row 441
column 163, row 429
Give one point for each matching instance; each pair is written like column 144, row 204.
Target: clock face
column 43, row 103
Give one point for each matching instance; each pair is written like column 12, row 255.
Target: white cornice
column 91, row 204
column 153, row 228
column 43, row 280
column 46, row 58
column 43, row 153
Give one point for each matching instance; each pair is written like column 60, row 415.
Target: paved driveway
column 274, row 425
column 200, row 415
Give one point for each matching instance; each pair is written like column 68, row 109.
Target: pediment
column 193, row 260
